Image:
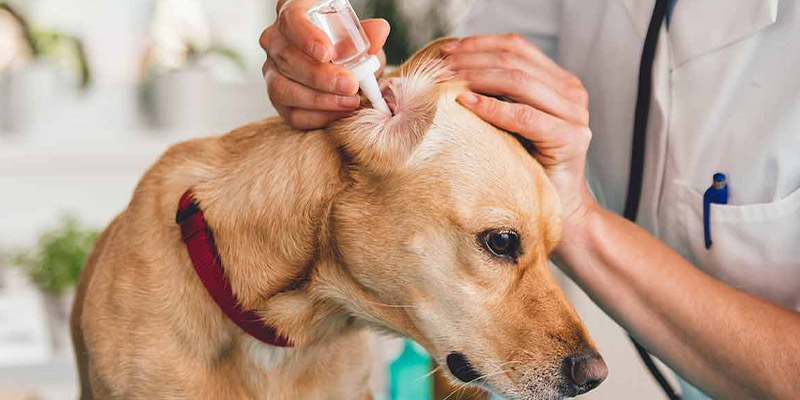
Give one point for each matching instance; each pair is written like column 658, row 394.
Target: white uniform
column 726, row 98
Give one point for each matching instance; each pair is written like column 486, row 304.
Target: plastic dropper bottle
column 350, row 45
column 409, row 374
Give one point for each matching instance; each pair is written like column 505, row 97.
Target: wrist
column 577, row 239
column 579, row 225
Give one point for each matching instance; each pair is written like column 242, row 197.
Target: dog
column 427, row 223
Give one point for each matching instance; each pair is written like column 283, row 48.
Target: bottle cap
column 364, row 72
column 719, row 181
column 367, row 66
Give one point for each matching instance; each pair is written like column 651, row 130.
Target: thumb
column 377, row 31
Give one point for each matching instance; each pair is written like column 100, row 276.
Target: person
column 724, row 98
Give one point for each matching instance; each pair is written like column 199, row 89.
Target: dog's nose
column 585, row 371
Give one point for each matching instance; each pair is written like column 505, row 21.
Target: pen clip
column 716, row 193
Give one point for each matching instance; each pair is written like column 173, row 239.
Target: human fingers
column 377, row 31
column 288, row 93
column 325, row 77
column 557, row 140
column 509, row 42
column 569, row 88
column 525, row 89
column 294, row 25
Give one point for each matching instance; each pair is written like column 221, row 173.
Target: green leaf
column 55, row 264
column 64, row 49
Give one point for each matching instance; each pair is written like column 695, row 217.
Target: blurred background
column 91, row 92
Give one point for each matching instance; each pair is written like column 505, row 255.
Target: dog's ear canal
column 380, row 143
column 383, row 146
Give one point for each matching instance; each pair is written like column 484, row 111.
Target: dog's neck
column 266, row 177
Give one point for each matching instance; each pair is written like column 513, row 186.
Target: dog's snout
column 585, row 371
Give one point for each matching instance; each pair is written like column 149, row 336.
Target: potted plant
column 179, row 96
column 177, row 84
column 32, row 75
column 54, row 267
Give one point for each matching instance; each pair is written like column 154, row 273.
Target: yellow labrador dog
column 427, row 223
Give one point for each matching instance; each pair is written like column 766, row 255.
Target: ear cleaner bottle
column 350, row 43
column 409, row 374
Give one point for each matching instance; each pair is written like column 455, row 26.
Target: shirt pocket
column 756, row 247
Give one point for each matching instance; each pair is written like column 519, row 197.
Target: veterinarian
column 695, row 133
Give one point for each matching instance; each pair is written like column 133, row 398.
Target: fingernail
column 468, row 98
column 446, row 72
column 346, row 85
column 349, row 101
column 450, row 46
column 318, row 51
column 384, row 22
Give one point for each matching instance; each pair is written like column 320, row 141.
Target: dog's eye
column 503, row 243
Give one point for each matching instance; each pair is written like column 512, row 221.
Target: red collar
column 208, row 266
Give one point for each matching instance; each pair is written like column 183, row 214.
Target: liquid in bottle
column 350, row 44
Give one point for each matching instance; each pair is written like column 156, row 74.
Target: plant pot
column 236, row 103
column 30, row 95
column 24, row 334
column 57, row 308
column 181, row 99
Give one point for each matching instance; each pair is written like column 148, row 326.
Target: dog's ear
column 381, row 143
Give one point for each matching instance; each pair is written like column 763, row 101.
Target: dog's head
column 443, row 235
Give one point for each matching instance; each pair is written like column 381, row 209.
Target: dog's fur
column 372, row 223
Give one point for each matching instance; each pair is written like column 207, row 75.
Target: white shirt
column 726, row 98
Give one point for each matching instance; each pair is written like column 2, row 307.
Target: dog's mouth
column 461, row 368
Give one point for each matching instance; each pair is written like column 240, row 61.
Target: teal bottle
column 409, row 374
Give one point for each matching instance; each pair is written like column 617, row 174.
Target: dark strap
column 205, row 259
column 643, row 110
column 637, row 157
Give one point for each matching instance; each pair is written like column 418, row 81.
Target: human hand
column 550, row 108
column 306, row 89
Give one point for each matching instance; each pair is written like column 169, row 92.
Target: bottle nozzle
column 364, row 71
column 373, row 93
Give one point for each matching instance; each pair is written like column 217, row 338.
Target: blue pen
column 716, row 193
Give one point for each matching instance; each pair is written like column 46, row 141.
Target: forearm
column 732, row 344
